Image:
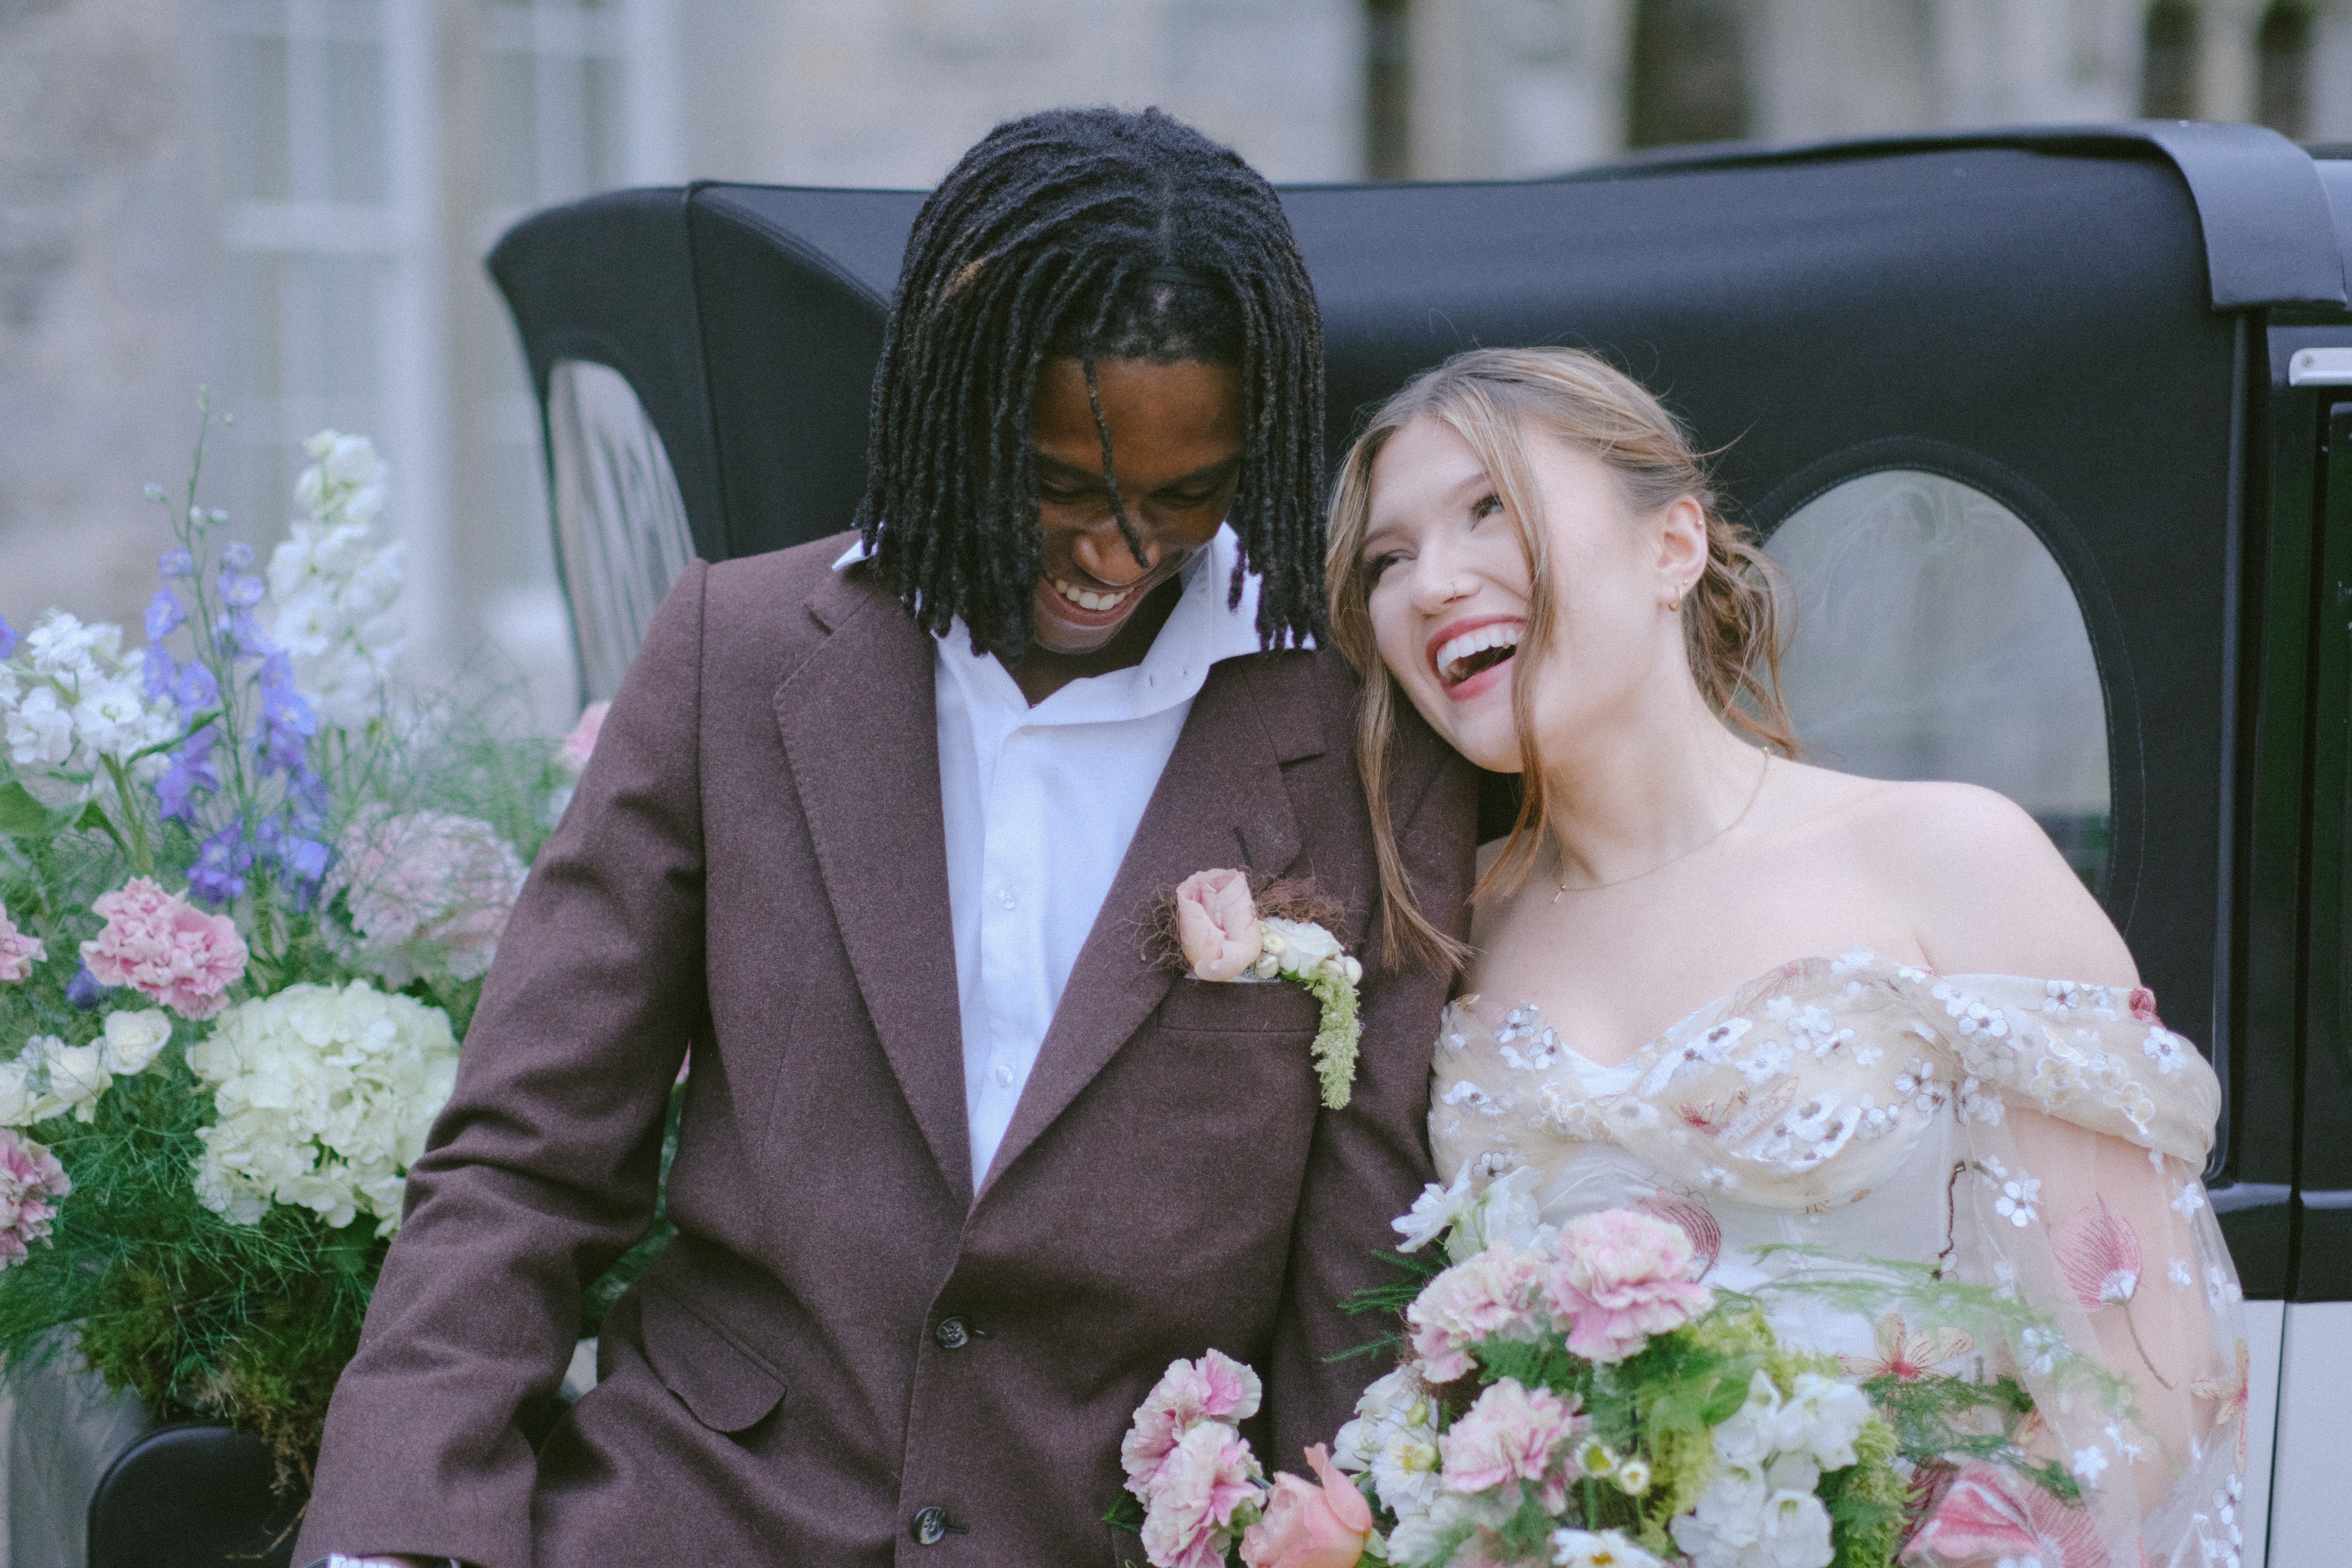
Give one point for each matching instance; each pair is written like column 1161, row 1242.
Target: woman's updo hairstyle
column 1496, row 400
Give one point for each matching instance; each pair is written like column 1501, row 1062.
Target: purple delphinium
column 189, row 770
column 282, row 738
column 176, row 564
column 302, row 861
column 7, row 638
column 83, row 990
column 165, row 615
column 222, row 860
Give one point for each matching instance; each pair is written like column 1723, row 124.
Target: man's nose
column 1102, row 553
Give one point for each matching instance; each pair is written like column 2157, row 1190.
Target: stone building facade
column 288, row 200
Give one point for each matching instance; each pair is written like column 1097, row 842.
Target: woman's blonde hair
column 1497, row 399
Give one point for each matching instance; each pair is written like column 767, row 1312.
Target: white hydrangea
column 324, row 1097
column 336, row 582
column 49, row 1078
column 70, row 697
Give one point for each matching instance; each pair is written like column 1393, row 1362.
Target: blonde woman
column 1783, row 1003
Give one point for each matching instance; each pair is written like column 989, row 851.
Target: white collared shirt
column 1041, row 803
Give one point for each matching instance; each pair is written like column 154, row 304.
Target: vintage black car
column 2051, row 428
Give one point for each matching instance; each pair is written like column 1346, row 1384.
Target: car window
column 619, row 520
column 1936, row 639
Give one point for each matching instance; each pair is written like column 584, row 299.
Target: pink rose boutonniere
column 1223, row 935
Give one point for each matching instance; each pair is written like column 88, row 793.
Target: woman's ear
column 1682, row 547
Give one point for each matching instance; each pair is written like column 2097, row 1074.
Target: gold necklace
column 1719, row 832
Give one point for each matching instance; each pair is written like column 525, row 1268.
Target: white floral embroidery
column 2017, row 1200
column 1566, row 1112
column 2089, row 1462
column 1866, row 1055
column 1477, row 1098
column 2061, row 997
column 2165, row 1048
column 1814, row 1029
column 1715, row 1179
column 2189, row 1199
column 2219, row 1289
column 2044, row 1349
column 1766, row 1060
column 1853, row 958
column 2130, row 1451
column 1977, row 1103
column 1918, row 1083
column 1780, row 1007
column 2179, row 1275
column 1916, row 976
column 1876, row 1118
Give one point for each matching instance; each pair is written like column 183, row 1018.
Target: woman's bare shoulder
column 1985, row 888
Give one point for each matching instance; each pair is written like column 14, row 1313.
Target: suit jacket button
column 930, row 1525
column 953, row 1334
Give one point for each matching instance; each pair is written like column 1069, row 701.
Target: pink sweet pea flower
column 1308, row 1526
column 18, row 952
column 165, row 949
column 1490, row 1294
column 1623, row 1276
column 1216, row 921
column 1209, row 1474
column 1511, row 1434
column 1214, row 1388
column 574, row 751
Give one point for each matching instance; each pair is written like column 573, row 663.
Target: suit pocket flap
column 1240, row 1007
column 715, row 1378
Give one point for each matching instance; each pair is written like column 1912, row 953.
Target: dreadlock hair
column 1089, row 234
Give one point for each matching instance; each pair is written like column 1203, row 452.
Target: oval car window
column 1936, row 639
column 620, row 521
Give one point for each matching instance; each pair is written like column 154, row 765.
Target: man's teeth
column 1083, row 598
column 1452, row 655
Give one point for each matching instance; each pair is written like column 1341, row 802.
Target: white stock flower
column 72, row 697
column 1303, row 945
column 1821, row 1418
column 335, row 583
column 17, row 1094
column 133, row 1038
column 77, row 1075
column 323, row 1098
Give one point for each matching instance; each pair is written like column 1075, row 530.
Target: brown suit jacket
column 842, row 1335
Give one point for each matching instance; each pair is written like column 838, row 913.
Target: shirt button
column 1005, row 897
column 951, row 1334
column 1004, row 1075
column 930, row 1525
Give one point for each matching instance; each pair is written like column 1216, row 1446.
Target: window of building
column 2167, row 80
column 1690, row 72
column 2283, row 87
column 1936, row 639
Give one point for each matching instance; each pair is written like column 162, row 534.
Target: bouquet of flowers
column 1576, row 1397
column 247, row 892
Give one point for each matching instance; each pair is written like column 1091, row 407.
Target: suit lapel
column 860, row 732
column 1220, row 801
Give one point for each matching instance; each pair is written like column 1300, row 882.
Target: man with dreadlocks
column 882, row 831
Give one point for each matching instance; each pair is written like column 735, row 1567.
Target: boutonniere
column 1226, row 931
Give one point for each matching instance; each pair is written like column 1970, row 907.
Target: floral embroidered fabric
column 2038, row 1136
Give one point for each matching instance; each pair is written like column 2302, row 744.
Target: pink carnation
column 1189, row 1522
column 1490, row 1294
column 424, row 888
column 1621, row 1277
column 165, row 949
column 18, row 952
column 574, row 751
column 31, row 1182
column 1511, row 1434
column 1214, row 1388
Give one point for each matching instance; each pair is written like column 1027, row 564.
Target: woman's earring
column 1675, row 604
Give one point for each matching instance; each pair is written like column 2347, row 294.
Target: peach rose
column 1217, row 922
column 1308, row 1526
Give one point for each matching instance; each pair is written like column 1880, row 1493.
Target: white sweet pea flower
column 17, row 1094
column 1302, row 946
column 77, row 1076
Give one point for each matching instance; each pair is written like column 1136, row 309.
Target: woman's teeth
column 1460, row 658
column 1084, row 598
